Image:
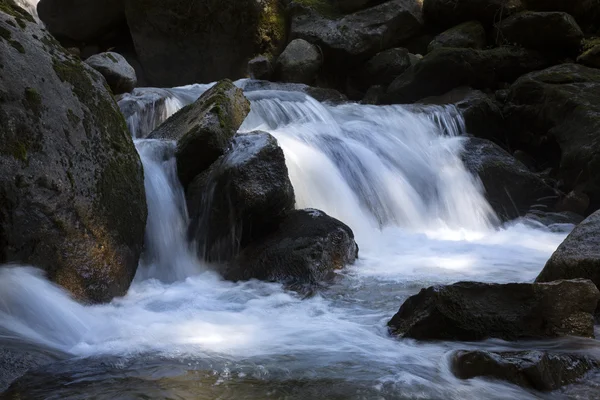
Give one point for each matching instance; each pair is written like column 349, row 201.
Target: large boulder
column 482, row 115
column 119, row 75
column 242, row 197
column 71, row 182
column 555, row 32
column 203, row 129
column 299, row 63
column 447, row 13
column 202, row 41
column 81, row 20
column 447, row 68
column 530, row 369
column 586, row 12
column 466, row 35
column 470, row 311
column 510, row 187
column 383, row 68
column 355, row 38
column 554, row 115
column 306, row 248
column 578, row 256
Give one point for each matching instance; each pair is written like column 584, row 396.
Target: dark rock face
column 555, row 32
column 119, row 75
column 204, row 129
column 578, row 256
column 586, row 12
column 466, row 35
column 299, row 63
column 241, row 197
column 81, row 20
column 384, row 67
column 530, row 369
column 447, row 68
column 356, row 37
column 447, row 13
column 306, row 248
column 476, row 311
column 71, row 182
column 510, row 187
column 554, row 115
column 260, row 67
column 203, row 41
column 483, row 116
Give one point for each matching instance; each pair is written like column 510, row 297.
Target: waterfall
column 30, row 6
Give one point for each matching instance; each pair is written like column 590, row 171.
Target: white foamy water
column 394, row 175
column 30, row 6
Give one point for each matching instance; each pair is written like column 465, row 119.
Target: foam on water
column 393, row 174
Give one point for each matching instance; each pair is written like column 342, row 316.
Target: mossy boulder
column 510, row 187
column 242, row 197
column 307, row 248
column 469, row 311
column 203, row 129
column 81, row 20
column 185, row 42
column 555, row 32
column 447, row 68
column 590, row 57
column 467, row 35
column 554, row 115
column 448, row 13
column 72, row 196
column 119, row 75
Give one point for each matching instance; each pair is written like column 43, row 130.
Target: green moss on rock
column 33, row 101
column 11, row 8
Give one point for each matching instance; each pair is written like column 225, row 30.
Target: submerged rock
column 71, row 181
column 306, row 248
column 204, row 129
column 466, row 35
column 554, row 115
column 555, row 32
column 530, row 369
column 17, row 358
column 81, row 20
column 119, row 75
column 182, row 43
column 578, row 256
column 299, row 63
column 242, row 197
column 447, row 68
column 510, row 187
column 476, row 311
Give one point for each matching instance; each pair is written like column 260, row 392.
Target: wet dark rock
column 306, row 248
column 466, row 35
column 575, row 202
column 476, row 311
column 554, row 32
column 260, row 67
column 511, row 189
column 71, row 181
column 384, row 67
column 554, row 115
column 242, row 197
column 447, row 68
column 586, row 12
column 204, row 129
column 447, row 13
column 591, row 57
column 119, row 75
column 182, row 43
column 537, row 370
column 321, row 94
column 299, row 63
column 81, row 20
column 578, row 256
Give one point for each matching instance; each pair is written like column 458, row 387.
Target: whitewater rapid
column 393, row 174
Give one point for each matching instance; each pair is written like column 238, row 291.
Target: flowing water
column 393, row 174
column 30, row 6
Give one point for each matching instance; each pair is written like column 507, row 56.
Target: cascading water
column 30, row 6
column 392, row 173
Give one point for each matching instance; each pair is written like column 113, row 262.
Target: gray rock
column 555, row 32
column 260, row 67
column 299, row 63
column 119, row 75
column 578, row 256
column 468, row 311
column 81, row 20
column 242, row 197
column 510, row 188
column 537, row 370
column 466, row 35
column 305, row 249
column 71, row 181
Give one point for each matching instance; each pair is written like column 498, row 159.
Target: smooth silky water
column 392, row 173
